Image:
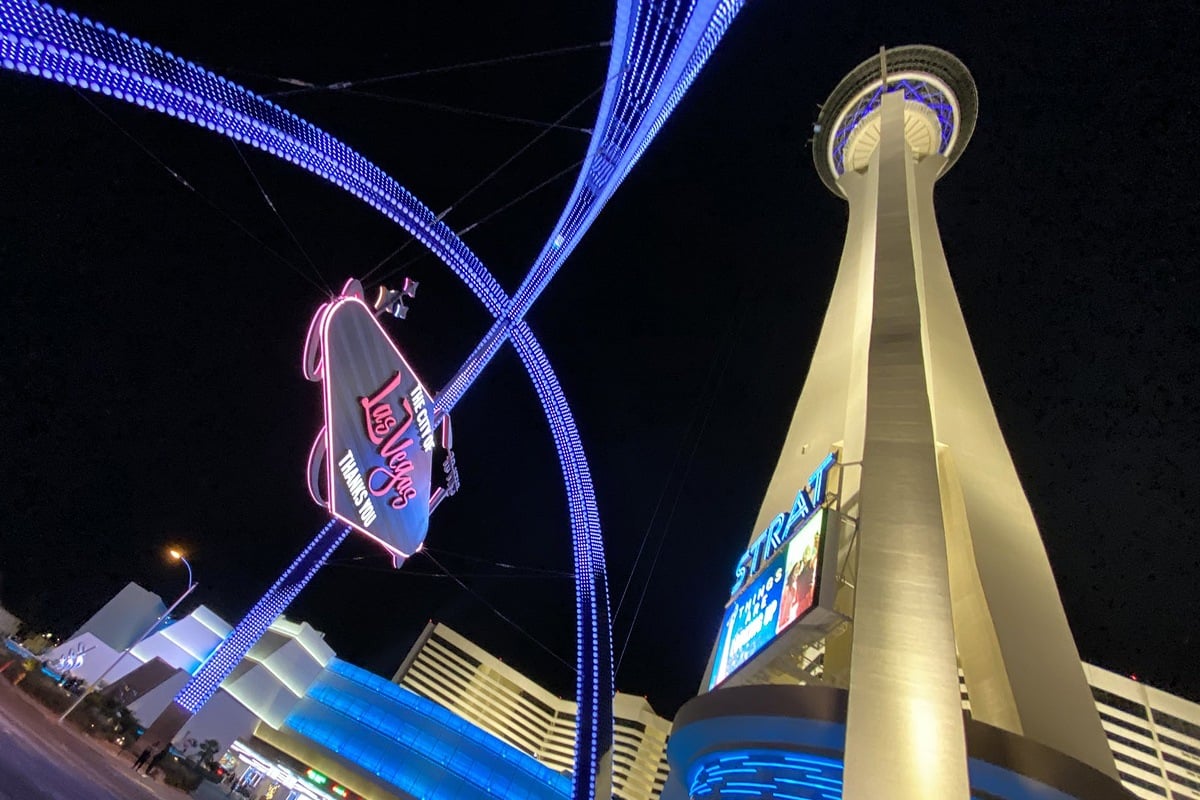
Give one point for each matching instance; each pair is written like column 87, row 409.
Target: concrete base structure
column 789, row 742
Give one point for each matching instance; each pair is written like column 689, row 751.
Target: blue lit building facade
column 295, row 717
column 376, row 739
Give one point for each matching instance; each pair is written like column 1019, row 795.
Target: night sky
column 150, row 349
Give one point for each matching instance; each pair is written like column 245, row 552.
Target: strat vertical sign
column 778, row 578
column 372, row 463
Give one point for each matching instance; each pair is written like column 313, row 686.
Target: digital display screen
column 779, row 595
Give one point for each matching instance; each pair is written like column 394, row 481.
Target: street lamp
column 178, row 556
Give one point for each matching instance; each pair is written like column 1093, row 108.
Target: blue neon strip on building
column 766, row 773
column 414, row 744
column 658, row 50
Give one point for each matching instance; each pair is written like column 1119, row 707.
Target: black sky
column 150, row 349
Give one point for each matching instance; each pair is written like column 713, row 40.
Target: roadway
column 41, row 761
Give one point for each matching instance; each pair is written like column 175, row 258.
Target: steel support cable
column 408, row 573
column 675, row 503
column 521, row 151
column 594, row 654
column 607, row 161
column 348, row 561
column 493, row 562
column 702, row 399
column 464, row 111
column 203, row 197
column 271, row 205
column 497, row 611
column 45, row 42
column 463, row 232
column 303, row 87
column 527, row 193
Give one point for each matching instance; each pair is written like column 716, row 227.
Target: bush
column 101, row 715
column 98, row 715
column 46, row 690
column 180, row 774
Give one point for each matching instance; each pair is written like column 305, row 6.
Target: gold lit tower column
column 950, row 556
column 941, row 563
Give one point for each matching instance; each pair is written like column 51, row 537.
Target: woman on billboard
column 800, row 589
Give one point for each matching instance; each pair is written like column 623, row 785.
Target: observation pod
column 935, row 565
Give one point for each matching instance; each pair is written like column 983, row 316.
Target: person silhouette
column 144, row 757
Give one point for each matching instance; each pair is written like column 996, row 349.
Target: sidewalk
column 41, row 759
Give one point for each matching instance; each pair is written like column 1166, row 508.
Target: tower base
column 789, row 741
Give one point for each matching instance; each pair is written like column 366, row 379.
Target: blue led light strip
column 46, row 42
column 658, row 50
column 766, row 773
column 361, row 701
column 203, row 685
column 594, row 734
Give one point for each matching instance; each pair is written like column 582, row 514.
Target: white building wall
column 125, row 617
column 1155, row 736
column 454, row 672
column 98, row 657
column 9, row 623
column 147, row 707
column 223, row 718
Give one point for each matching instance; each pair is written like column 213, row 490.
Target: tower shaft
column 940, row 568
column 950, row 560
column 904, row 728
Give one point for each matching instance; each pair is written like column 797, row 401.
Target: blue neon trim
column 224, row 660
column 763, row 772
column 917, row 91
column 402, row 738
column 658, row 49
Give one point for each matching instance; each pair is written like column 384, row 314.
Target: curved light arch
column 46, row 42
column 658, row 49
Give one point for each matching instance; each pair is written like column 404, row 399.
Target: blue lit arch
column 658, row 49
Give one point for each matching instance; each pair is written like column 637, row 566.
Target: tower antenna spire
column 883, row 66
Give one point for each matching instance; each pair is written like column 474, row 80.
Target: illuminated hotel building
column 930, row 561
column 449, row 669
column 302, row 724
column 1155, row 736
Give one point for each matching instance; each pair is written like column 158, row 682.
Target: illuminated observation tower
column 895, row 550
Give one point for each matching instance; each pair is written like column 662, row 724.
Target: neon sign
column 371, row 465
column 809, row 498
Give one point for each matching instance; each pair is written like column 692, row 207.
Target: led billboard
column 782, row 592
column 371, row 465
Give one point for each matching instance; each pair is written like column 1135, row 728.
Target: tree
column 208, row 751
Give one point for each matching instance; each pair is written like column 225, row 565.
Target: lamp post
column 178, row 556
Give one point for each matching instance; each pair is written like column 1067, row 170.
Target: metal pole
column 91, row 686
